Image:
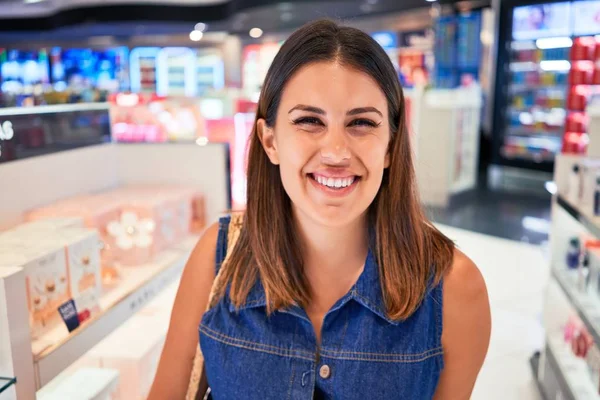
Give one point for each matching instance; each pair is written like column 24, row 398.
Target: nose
column 335, row 148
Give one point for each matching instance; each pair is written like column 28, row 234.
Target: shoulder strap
column 229, row 231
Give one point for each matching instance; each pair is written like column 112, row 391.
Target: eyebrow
column 312, row 109
column 362, row 110
column 320, row 111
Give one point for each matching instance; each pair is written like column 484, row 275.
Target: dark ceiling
column 234, row 16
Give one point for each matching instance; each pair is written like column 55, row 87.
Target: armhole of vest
column 222, row 242
column 438, row 296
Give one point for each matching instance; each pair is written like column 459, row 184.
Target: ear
column 266, row 136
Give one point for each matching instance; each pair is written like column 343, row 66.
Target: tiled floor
column 516, row 274
column 521, row 217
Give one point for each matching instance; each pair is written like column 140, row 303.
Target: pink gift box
column 96, row 214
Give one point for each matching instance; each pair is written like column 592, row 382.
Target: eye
column 308, row 121
column 363, row 122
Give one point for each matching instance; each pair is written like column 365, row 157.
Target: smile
column 337, row 185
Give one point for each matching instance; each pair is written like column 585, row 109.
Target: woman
column 337, row 286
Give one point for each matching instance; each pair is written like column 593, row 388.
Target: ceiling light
column 256, row 33
column 554, row 43
column 196, row 36
column 372, row 1
column 285, row 6
column 32, row 1
column 366, row 8
column 431, row 1
column 200, row 26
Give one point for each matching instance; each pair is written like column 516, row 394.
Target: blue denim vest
column 363, row 355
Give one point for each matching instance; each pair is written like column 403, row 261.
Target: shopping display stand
column 36, row 181
column 571, row 295
column 446, row 143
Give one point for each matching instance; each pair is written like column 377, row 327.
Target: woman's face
column 330, row 141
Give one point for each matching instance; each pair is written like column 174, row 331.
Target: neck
column 333, row 257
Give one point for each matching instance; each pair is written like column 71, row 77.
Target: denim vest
column 363, row 354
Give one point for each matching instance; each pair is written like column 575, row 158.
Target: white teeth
column 335, row 182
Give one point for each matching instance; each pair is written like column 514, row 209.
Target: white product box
column 82, row 249
column 46, row 283
column 87, row 384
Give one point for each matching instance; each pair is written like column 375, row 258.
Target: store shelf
column 590, row 222
column 58, row 349
column 558, row 134
column 524, row 87
column 5, row 383
column 534, row 363
column 534, row 157
column 572, row 372
column 586, row 306
column 535, row 107
column 55, row 108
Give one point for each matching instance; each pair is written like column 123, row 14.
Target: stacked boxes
column 134, row 223
column 59, row 264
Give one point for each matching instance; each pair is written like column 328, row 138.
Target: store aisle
column 516, row 274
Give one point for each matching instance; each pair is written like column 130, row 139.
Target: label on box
column 68, row 313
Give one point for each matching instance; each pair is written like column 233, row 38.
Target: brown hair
column 411, row 253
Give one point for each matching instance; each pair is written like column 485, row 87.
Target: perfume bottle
column 597, row 197
column 573, row 253
column 574, row 187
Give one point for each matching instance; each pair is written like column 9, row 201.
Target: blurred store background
column 125, row 123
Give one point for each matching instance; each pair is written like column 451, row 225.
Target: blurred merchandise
column 256, row 60
column 143, row 69
column 176, row 72
column 134, row 223
column 457, row 48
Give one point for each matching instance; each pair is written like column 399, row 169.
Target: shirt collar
column 366, row 291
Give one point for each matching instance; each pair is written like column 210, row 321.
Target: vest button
column 325, row 371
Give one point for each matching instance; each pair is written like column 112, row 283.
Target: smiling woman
column 333, row 284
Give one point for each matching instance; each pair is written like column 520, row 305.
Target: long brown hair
column 411, row 253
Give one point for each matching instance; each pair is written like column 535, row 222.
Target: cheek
column 294, row 152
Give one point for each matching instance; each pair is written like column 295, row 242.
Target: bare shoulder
column 466, row 328
column 178, row 354
column 205, row 250
column 463, row 282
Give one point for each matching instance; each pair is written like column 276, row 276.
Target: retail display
column 151, row 118
column 551, row 73
column 175, row 72
column 570, row 363
column 143, row 69
column 210, row 71
column 59, row 264
column 446, row 164
column 134, row 223
column 256, row 60
column 58, row 233
column 457, row 49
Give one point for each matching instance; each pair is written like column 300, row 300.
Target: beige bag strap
column 233, row 233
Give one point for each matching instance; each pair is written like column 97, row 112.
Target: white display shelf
column 587, row 306
column 590, row 222
column 573, row 370
column 58, row 349
column 54, row 108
